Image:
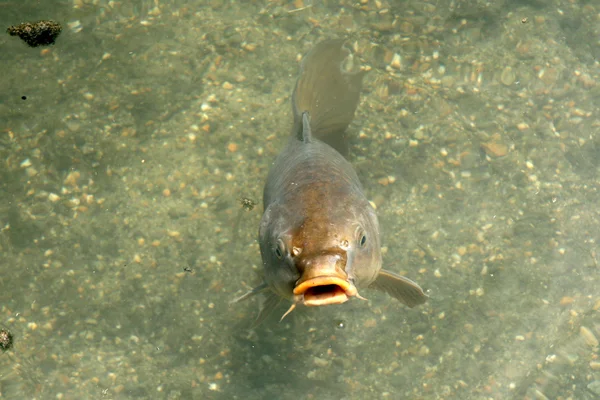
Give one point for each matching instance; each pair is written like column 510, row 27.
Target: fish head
column 337, row 255
column 321, row 258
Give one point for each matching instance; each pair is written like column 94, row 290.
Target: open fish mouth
column 324, row 290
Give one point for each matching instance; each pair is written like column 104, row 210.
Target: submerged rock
column 40, row 33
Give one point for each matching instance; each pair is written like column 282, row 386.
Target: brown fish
column 319, row 235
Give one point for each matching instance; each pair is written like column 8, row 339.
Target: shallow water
column 123, row 238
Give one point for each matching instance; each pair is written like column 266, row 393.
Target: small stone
column 588, row 337
column 594, row 387
column 249, row 46
column 75, row 26
column 540, row 396
column 508, row 76
column 320, row 362
column 31, row 172
column 53, row 197
column 549, row 76
column 566, row 300
column 529, row 165
column 383, row 181
column 396, row 62
column 494, row 149
column 72, row 178
column 213, row 386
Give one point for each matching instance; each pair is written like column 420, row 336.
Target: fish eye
column 363, row 240
column 280, row 249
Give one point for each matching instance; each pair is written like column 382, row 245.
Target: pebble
column 566, row 300
column 249, row 46
column 75, row 26
column 529, row 164
column 495, row 149
column 72, row 178
column 396, row 62
column 213, row 386
column 320, row 362
column 53, row 197
column 387, row 180
column 588, row 337
column 508, row 76
column 540, row 396
column 548, row 76
column 594, row 387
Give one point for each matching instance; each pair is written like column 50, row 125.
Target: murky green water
column 126, row 147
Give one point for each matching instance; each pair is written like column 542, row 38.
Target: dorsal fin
column 306, row 131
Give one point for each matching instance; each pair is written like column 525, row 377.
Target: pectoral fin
column 259, row 289
column 399, row 287
column 271, row 302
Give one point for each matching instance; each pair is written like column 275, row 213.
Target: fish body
column 319, row 235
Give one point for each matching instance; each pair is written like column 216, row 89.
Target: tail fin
column 328, row 88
